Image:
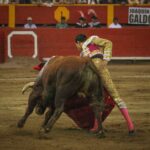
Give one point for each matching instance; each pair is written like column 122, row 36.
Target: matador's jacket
column 95, row 45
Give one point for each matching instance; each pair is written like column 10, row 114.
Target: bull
column 60, row 80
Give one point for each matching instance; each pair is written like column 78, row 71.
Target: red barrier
column 22, row 45
column 3, row 14
column 46, row 17
column 127, row 42
column 71, row 12
column 48, row 13
column 2, row 45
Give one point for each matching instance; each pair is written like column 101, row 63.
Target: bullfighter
column 100, row 51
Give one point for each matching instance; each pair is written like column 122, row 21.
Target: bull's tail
column 27, row 86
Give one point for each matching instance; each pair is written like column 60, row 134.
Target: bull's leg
column 44, row 102
column 58, row 111
column 49, row 124
column 97, row 109
column 63, row 92
column 100, row 131
column 98, row 117
column 31, row 105
column 48, row 115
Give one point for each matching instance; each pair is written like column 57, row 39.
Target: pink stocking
column 125, row 114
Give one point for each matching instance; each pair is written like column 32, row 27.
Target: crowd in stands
column 82, row 23
column 77, row 1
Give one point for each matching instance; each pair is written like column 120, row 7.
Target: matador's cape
column 79, row 110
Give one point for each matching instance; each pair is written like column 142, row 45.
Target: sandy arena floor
column 133, row 83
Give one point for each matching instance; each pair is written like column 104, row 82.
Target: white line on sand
column 125, row 76
column 16, row 79
column 135, row 76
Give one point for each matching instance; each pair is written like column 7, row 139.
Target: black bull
column 61, row 79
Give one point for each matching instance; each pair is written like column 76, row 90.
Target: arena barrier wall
column 16, row 14
column 2, row 53
column 128, row 43
column 4, row 14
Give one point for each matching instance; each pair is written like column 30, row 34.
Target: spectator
column 123, row 2
column 108, row 1
column 2, row 26
column 25, row 1
column 29, row 24
column 133, row 2
column 82, row 23
column 4, row 1
column 147, row 2
column 81, row 1
column 93, row 1
column 115, row 24
column 62, row 23
column 94, row 22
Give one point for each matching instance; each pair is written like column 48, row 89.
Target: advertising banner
column 139, row 15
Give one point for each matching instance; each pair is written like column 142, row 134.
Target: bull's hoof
column 20, row 124
column 132, row 133
column 43, row 134
column 100, row 134
column 47, row 130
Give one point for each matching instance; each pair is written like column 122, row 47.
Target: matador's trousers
column 108, row 83
column 110, row 87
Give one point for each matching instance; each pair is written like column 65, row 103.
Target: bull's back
column 73, row 69
column 69, row 63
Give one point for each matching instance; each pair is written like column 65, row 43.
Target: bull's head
column 40, row 107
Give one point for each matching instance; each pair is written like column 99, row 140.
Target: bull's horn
column 27, row 86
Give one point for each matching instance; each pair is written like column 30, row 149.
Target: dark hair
column 63, row 18
column 80, row 38
column 94, row 17
column 82, row 18
column 115, row 18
